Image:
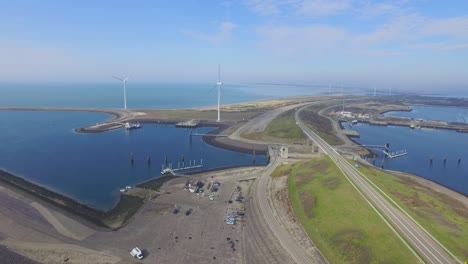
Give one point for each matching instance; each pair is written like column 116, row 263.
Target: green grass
column 338, row 220
column 320, row 125
column 281, row 170
column 281, row 129
column 284, row 126
column 444, row 217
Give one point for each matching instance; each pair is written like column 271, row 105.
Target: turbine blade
column 213, row 88
column 219, row 73
column 117, row 78
column 128, row 76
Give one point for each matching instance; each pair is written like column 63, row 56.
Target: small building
column 315, row 149
column 363, row 116
column 346, row 114
column 284, row 152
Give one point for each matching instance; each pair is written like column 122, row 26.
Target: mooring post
column 149, row 160
column 131, row 159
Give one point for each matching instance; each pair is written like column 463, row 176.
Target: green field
column 320, row 125
column 338, row 220
column 281, row 129
column 442, row 216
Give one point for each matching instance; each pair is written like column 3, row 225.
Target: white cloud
column 453, row 27
column 263, row 7
column 222, row 35
column 309, row 40
column 304, row 7
column 399, row 30
column 394, row 38
column 454, row 47
column 323, row 7
column 439, row 46
column 372, row 9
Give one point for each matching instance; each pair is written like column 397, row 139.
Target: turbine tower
column 219, row 84
column 125, row 91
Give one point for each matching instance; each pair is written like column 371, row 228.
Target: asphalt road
column 427, row 247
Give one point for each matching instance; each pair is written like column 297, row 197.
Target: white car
column 136, row 253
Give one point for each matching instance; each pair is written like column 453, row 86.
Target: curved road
column 261, row 193
column 427, row 246
column 287, row 241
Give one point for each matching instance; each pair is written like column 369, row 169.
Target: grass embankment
column 442, row 216
column 281, row 129
column 281, row 170
column 320, row 125
column 338, row 219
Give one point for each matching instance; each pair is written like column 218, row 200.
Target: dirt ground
column 47, row 235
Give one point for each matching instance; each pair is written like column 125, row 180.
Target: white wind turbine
column 125, row 91
column 219, row 84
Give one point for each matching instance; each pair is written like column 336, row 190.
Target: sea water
column 435, row 113
column 42, row 147
column 422, row 145
column 139, row 95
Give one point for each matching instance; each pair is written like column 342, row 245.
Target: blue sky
column 344, row 42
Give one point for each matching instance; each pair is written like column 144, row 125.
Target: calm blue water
column 139, row 95
column 42, row 147
column 422, row 144
column 446, row 114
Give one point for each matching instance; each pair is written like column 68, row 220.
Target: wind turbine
column 219, row 84
column 125, row 91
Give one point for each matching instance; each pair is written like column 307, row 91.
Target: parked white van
column 136, row 253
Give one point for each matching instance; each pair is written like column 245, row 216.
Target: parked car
column 136, row 253
column 189, row 211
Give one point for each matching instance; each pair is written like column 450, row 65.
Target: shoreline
column 110, row 219
column 407, row 174
column 129, row 203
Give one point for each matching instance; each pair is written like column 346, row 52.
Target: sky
column 399, row 43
